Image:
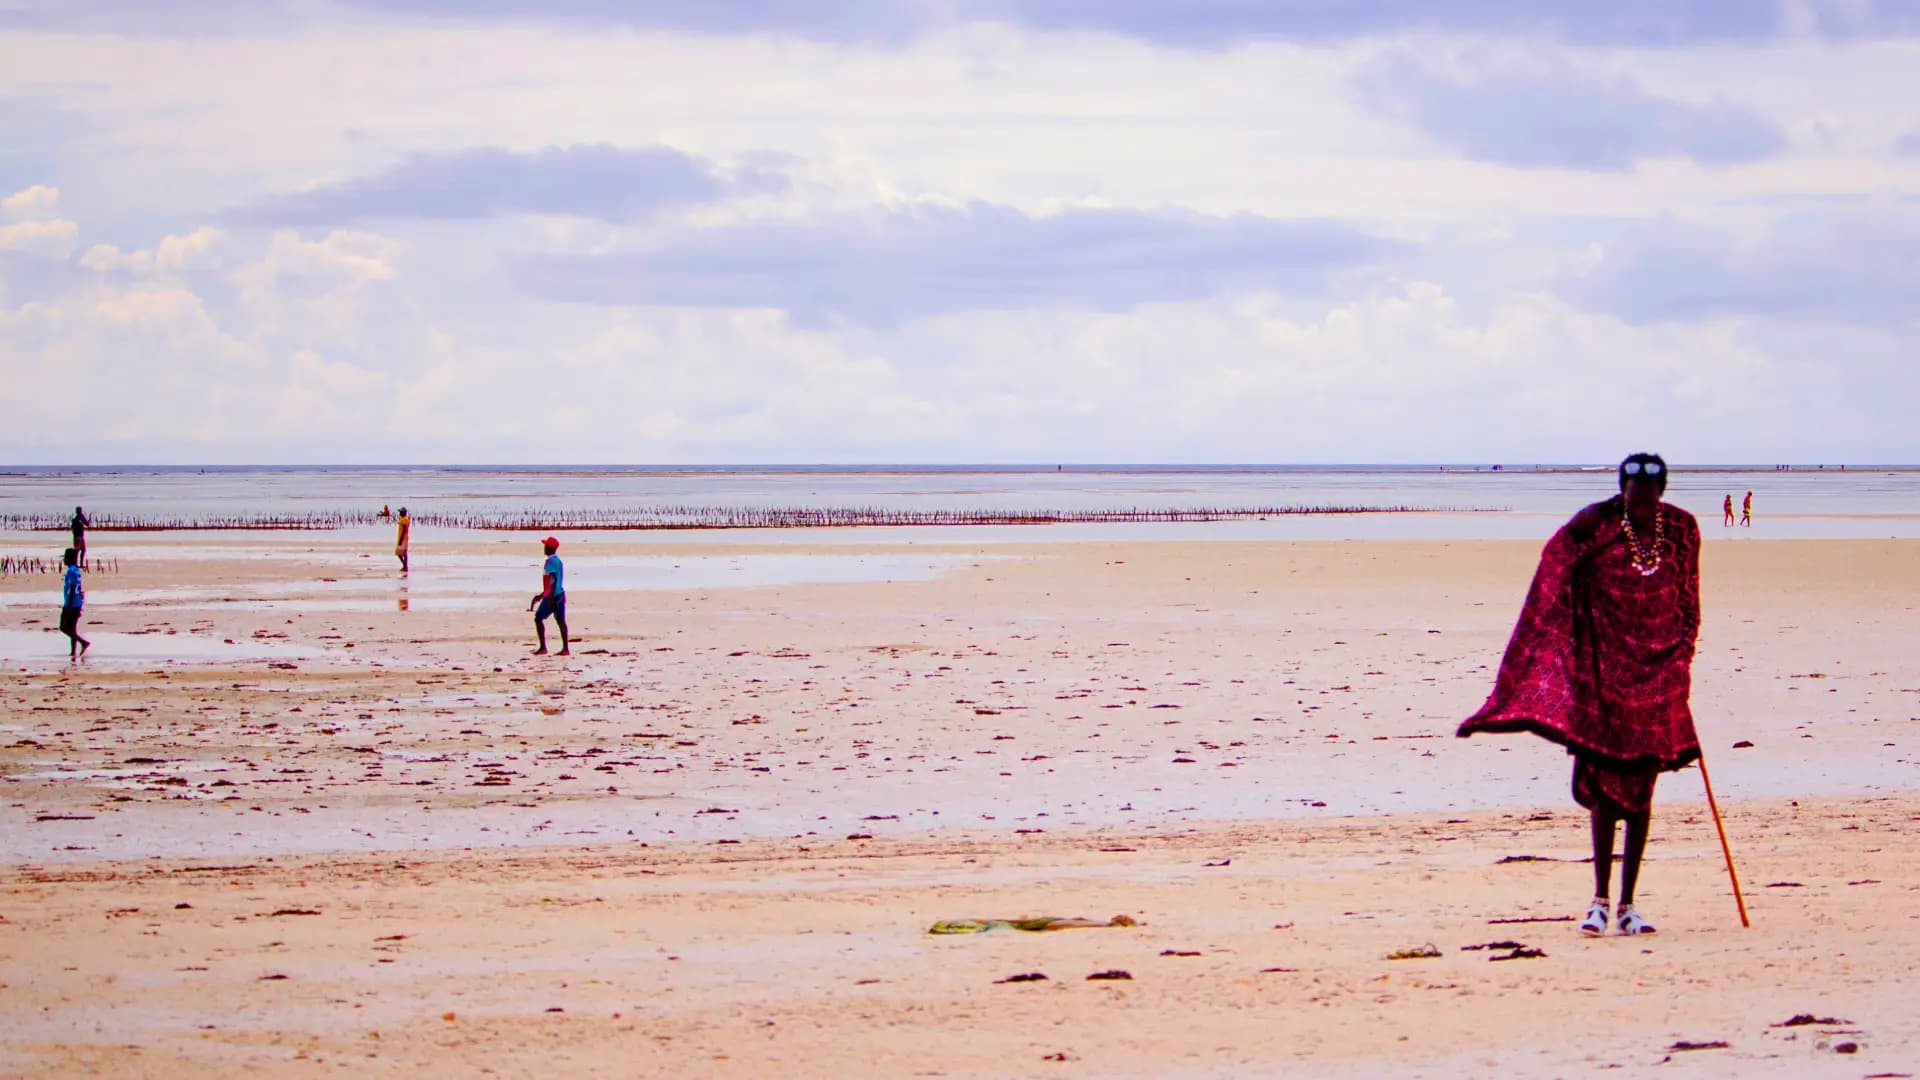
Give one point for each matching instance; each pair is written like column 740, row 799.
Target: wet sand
column 730, row 817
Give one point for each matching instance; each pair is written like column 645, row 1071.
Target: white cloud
column 995, row 113
column 1406, row 373
column 199, row 249
column 107, row 259
column 31, row 204
column 404, row 340
column 53, row 239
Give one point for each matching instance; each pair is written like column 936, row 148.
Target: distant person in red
column 552, row 599
column 1726, row 509
column 1746, row 510
column 1601, row 662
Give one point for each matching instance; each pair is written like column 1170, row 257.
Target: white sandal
column 1631, row 921
column 1595, row 924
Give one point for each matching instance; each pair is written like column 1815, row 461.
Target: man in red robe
column 1601, row 663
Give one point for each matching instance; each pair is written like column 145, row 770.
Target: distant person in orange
column 1726, row 508
column 401, row 538
column 1746, row 510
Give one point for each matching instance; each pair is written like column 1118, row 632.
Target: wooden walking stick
column 1732, row 874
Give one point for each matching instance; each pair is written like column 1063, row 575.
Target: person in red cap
column 551, row 600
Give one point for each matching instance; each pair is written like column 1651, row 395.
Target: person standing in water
column 401, row 538
column 73, row 597
column 1601, row 662
column 79, row 526
column 552, row 599
column 1746, row 511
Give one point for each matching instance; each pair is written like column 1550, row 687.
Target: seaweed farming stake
column 1732, row 874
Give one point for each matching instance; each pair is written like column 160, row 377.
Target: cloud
column 206, row 340
column 820, row 19
column 1408, row 373
column 1213, row 23
column 1908, row 145
column 48, row 239
column 1205, row 23
column 902, row 263
column 599, row 181
column 30, row 225
column 1184, row 23
column 1028, row 341
column 1536, row 114
column 1850, row 265
column 169, row 18
column 197, row 250
column 34, row 203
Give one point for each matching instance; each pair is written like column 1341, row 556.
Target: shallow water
column 1780, row 497
column 43, row 649
column 479, row 582
column 505, row 576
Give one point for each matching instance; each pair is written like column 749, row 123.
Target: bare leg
column 566, row 646
column 540, row 630
column 70, row 625
column 1637, row 825
column 1603, row 821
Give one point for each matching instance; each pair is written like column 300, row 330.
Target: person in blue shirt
column 552, row 599
column 73, row 596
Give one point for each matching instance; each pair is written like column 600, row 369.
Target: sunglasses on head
column 1636, row 468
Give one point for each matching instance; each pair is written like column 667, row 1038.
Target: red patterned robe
column 1601, row 660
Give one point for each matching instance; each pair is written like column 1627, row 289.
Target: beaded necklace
column 1646, row 559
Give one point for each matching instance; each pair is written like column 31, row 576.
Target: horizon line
column 955, row 466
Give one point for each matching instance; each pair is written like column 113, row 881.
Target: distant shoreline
column 881, row 469
column 697, row 518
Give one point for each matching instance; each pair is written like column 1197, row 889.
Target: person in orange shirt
column 1746, row 510
column 400, row 540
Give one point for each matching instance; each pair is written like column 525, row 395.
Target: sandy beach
column 296, row 814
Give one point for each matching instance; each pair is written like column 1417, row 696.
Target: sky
column 944, row 231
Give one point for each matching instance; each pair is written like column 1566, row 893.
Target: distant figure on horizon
column 79, row 525
column 401, row 538
column 1601, row 662
column 73, row 597
column 1746, row 510
column 552, row 599
column 1726, row 508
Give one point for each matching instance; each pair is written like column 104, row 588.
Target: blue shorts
column 555, row 606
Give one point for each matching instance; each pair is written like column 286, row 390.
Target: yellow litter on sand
column 1046, row 922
